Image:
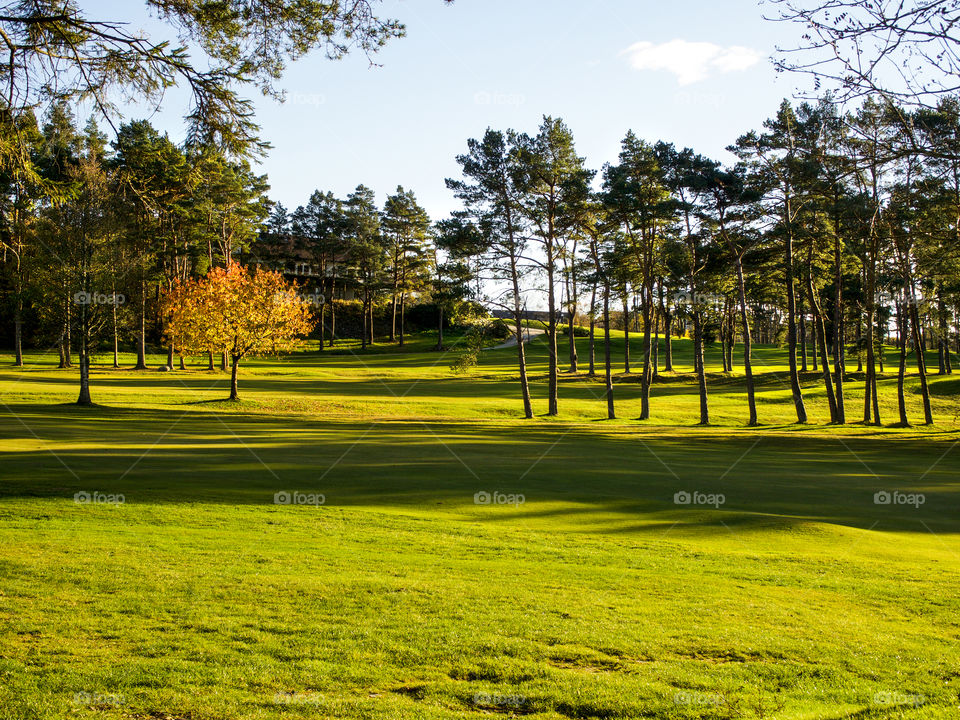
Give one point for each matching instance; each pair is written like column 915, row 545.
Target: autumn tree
column 238, row 312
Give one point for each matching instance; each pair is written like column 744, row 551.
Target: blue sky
column 693, row 72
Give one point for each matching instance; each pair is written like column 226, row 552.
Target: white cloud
column 691, row 61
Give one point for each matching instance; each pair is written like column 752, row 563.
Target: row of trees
column 830, row 228
column 93, row 233
column 351, row 247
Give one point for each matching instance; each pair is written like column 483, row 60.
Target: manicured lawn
column 597, row 596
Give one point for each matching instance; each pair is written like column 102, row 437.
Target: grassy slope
column 598, row 597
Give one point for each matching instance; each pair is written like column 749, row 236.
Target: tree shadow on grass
column 186, row 455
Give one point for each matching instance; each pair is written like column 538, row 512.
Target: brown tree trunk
column 611, row 412
column 234, row 365
column 792, row 332
column 626, row 333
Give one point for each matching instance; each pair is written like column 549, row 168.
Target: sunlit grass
column 399, row 597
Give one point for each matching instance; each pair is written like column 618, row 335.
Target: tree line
column 829, row 233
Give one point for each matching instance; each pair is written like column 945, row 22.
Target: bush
column 499, row 329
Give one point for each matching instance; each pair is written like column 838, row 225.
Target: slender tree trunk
column 170, row 358
column 363, row 334
column 116, row 333
column 747, row 346
column 518, row 322
column 838, row 336
column 18, row 319
column 67, row 340
column 921, row 360
column 626, row 333
column 234, row 365
column 792, row 331
column 655, row 349
column 574, row 360
column 611, row 412
column 698, row 364
column 820, row 339
column 333, row 313
column 870, row 385
column 668, row 340
column 223, row 361
column 84, row 359
column 439, row 328
column 943, row 338
column 210, row 366
column 902, row 367
column 323, row 323
column 403, row 309
column 646, row 379
column 142, row 334
column 803, row 333
column 593, row 331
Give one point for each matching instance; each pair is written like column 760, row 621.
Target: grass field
column 182, row 590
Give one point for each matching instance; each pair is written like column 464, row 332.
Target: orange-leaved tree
column 238, row 312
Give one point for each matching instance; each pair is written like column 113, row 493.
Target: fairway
column 436, row 557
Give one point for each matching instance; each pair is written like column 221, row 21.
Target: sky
column 693, row 72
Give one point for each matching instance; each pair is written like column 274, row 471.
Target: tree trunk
column 521, row 351
column 792, row 332
column 116, row 334
column 84, row 359
column 698, row 363
column 593, row 329
column 626, row 333
column 668, row 340
column 142, row 335
column 838, row 336
column 646, row 379
column 747, row 360
column 902, row 367
column 223, row 362
column 333, row 313
column 439, row 345
column 552, row 337
column 820, row 339
column 803, row 334
column 921, row 360
column 943, row 337
column 403, row 307
column 363, row 333
column 611, row 413
column 323, row 326
column 235, row 363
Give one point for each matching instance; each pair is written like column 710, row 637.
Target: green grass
column 598, row 597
